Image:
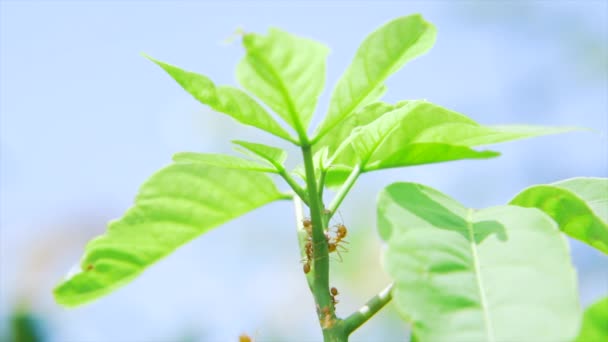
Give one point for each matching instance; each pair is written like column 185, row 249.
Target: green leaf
column 221, row 160
column 393, row 134
column 177, row 204
column 225, row 99
column 344, row 131
column 286, row 72
column 595, row 323
column 476, row 275
column 381, row 54
column 273, row 155
column 578, row 205
column 413, row 134
column 467, row 134
column 419, row 154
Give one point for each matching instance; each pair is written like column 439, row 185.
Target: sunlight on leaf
column 224, row 99
column 381, row 54
column 220, row 160
column 595, row 323
column 269, row 154
column 286, row 72
column 476, row 275
column 177, row 204
column 578, row 205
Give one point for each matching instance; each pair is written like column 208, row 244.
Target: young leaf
column 273, row 155
column 286, row 72
column 413, row 134
column 476, row 275
column 467, row 134
column 177, row 204
column 595, row 323
column 381, row 54
column 362, row 117
column 224, row 99
column 419, row 154
column 578, row 205
column 392, row 135
column 221, row 160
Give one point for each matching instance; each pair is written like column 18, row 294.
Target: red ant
column 334, row 293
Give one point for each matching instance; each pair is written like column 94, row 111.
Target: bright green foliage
column 578, row 205
column 272, row 155
column 381, row 54
column 286, row 72
column 364, row 116
column 221, row 160
column 177, row 204
column 497, row 274
column 476, row 275
column 224, row 99
column 417, row 132
column 595, row 323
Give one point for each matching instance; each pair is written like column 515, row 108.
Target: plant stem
column 294, row 185
column 321, row 184
column 348, row 184
column 320, row 252
column 302, row 235
column 356, row 319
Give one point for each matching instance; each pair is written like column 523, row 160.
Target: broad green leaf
column 221, row 160
column 225, row 99
column 595, row 323
column 390, row 140
column 418, row 154
column 381, row 54
column 578, row 205
column 496, row 274
column 593, row 190
column 467, row 134
column 344, row 131
column 177, row 204
column 286, row 72
column 273, row 155
column 413, row 134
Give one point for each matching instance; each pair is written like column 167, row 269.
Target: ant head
column 334, row 291
column 342, row 231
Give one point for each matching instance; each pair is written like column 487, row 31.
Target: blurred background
column 85, row 120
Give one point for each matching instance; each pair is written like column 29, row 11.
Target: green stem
column 302, row 235
column 356, row 319
column 294, row 185
column 320, row 252
column 321, row 185
column 348, row 184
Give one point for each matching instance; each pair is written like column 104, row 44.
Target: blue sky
column 85, row 119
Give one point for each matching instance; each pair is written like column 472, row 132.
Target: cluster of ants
column 334, row 242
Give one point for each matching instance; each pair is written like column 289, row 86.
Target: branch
column 356, row 319
column 294, row 185
column 302, row 235
column 320, row 252
column 348, row 184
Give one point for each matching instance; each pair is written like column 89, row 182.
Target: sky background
column 85, row 119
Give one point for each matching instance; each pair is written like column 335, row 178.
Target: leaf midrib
column 385, row 75
column 283, row 90
column 480, row 287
